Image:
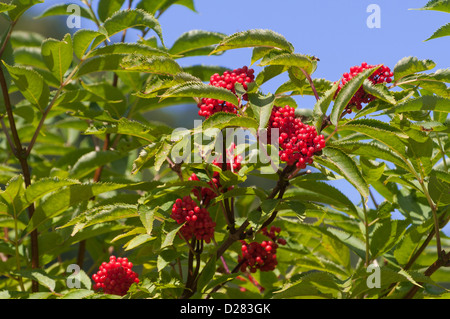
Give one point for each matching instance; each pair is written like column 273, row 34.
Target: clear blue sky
column 334, row 31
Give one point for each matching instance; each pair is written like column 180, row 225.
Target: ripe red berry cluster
column 261, row 256
column 298, row 142
column 382, row 75
column 115, row 277
column 206, row 194
column 210, row 106
column 197, row 220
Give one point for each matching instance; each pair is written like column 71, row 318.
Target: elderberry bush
column 102, row 197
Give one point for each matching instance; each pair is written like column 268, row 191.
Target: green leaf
column 380, row 131
column 147, row 154
column 262, row 107
column 29, row 57
column 207, row 273
column 170, row 231
column 82, row 39
column 424, row 103
column 303, row 87
column 138, row 241
column 43, row 279
column 162, row 83
column 125, row 19
column 158, row 64
column 113, row 101
column 372, row 170
column 257, row 217
column 437, row 5
column 148, row 132
column 371, row 150
column 127, row 48
column 20, row 7
column 58, row 55
column 102, row 214
column 73, row 96
column 439, row 188
column 321, row 106
column 320, row 192
column 220, row 280
column 102, row 63
column 67, row 197
column 11, row 196
column 42, row 187
column 347, row 92
column 350, row 240
column 78, row 294
column 260, row 52
column 165, row 257
column 254, row 38
column 147, row 216
column 107, row 8
column 388, row 234
column 223, row 120
column 31, row 84
column 204, row 72
column 443, row 31
column 411, row 65
column 290, row 60
column 269, row 72
column 196, row 41
column 310, row 285
column 195, row 89
column 62, row 9
column 162, row 5
column 26, row 39
column 90, row 161
column 162, row 154
column 6, row 7
column 380, row 91
column 411, row 240
column 347, row 167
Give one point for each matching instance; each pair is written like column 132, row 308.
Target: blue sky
column 334, row 31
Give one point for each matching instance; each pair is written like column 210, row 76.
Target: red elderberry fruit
column 115, row 277
column 227, row 80
column 382, row 75
column 197, row 221
column 298, row 142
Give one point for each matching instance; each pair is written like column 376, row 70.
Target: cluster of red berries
column 115, row 277
column 197, row 220
column 298, row 142
column 210, row 106
column 261, row 256
column 382, row 75
column 206, row 194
